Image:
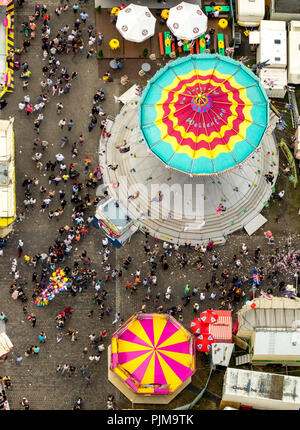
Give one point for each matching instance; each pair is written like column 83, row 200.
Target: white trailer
column 272, row 44
column 249, row 13
column 261, row 390
column 294, row 52
column 272, row 49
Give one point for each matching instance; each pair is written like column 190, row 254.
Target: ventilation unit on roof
column 277, row 58
column 277, row 41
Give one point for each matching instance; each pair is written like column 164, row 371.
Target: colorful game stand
column 58, row 283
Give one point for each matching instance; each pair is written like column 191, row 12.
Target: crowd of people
column 57, row 84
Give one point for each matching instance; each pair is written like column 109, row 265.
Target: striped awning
column 222, row 330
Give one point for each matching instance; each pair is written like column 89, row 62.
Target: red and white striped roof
column 222, row 329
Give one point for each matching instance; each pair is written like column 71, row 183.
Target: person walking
column 100, row 38
column 62, row 123
column 70, row 125
column 20, row 248
column 65, row 368
column 202, row 296
column 71, row 371
column 25, row 404
column 117, row 318
column 83, row 16
column 196, row 308
column 36, row 350
column 59, row 108
column 84, row 368
column 19, row 360
column 87, row 381
column 32, row 319
column 186, row 291
column 42, row 337
column 3, row 317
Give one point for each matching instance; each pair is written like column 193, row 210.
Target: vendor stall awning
column 5, row 344
column 222, row 329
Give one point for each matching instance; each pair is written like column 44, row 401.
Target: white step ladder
column 242, row 359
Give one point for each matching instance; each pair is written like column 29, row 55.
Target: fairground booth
column 6, row 46
column 151, row 358
column 7, row 177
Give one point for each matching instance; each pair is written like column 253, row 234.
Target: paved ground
column 36, row 377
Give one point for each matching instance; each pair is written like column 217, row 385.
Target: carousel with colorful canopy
column 202, row 124
column 152, row 355
column 204, row 114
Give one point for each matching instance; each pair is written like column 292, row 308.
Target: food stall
column 7, row 177
column 113, row 218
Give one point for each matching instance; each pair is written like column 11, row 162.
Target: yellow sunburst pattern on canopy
column 153, row 354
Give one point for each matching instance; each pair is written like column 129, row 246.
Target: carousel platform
column 243, row 191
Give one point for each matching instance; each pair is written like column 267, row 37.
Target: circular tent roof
column 153, row 354
column 136, row 23
column 187, row 21
column 203, row 114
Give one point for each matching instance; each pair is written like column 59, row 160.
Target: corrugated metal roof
column 285, row 343
column 261, row 385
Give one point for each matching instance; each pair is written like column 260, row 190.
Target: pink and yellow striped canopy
column 153, row 353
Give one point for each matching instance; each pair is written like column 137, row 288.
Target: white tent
column 136, row 23
column 187, row 21
column 5, row 344
column 294, row 52
column 7, row 176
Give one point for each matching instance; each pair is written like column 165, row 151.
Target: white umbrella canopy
column 187, row 21
column 136, row 23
